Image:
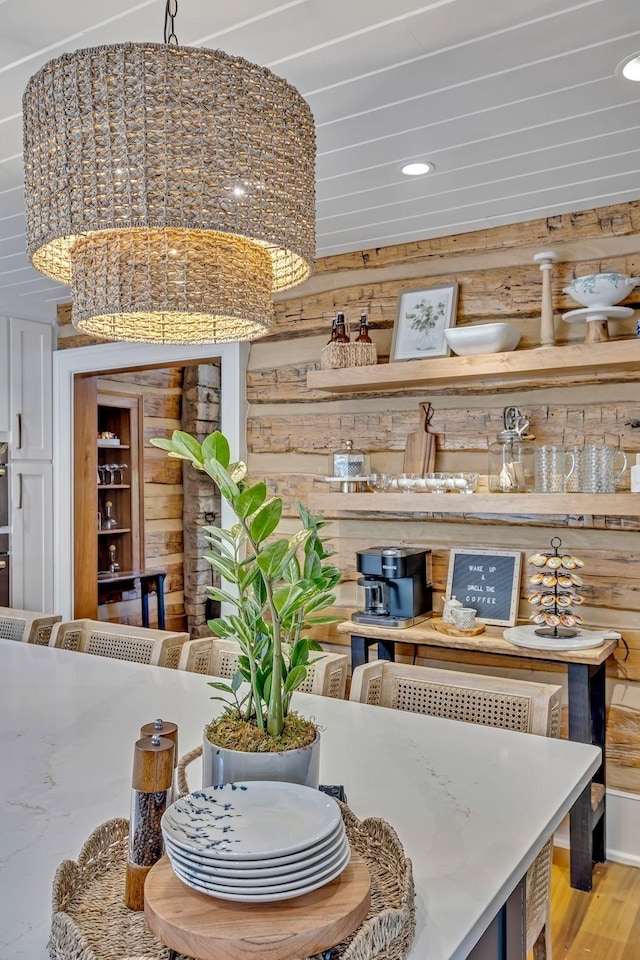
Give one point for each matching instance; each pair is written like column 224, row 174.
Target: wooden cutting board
column 420, row 449
column 198, row 925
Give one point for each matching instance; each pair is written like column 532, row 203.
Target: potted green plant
column 280, row 586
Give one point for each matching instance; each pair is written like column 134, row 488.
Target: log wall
column 292, row 429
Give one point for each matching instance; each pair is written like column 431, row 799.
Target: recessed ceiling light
column 417, row 169
column 629, row 68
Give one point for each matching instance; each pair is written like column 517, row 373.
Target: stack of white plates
column 256, row 841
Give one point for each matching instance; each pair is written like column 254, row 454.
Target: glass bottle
column 363, row 336
column 341, row 331
column 512, row 456
column 109, row 521
column 334, row 330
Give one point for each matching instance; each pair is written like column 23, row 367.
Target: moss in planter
column 235, row 734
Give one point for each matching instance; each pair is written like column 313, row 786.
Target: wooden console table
column 586, row 671
column 151, row 581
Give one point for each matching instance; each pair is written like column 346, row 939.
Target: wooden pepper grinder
column 151, row 786
column 164, row 728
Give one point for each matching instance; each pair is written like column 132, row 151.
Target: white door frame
column 117, row 356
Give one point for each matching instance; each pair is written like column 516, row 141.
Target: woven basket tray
column 336, row 355
column 91, row 922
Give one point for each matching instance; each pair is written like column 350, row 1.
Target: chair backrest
column 475, row 698
column 120, row 641
column 326, row 675
column 492, row 701
column 27, row 625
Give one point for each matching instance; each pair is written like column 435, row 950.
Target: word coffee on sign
column 488, row 581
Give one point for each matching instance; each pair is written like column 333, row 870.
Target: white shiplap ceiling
column 516, row 102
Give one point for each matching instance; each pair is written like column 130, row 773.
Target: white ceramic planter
column 221, row 765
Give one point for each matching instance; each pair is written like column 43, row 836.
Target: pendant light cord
column 170, row 13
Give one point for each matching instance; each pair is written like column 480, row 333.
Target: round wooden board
column 201, row 926
column 452, row 631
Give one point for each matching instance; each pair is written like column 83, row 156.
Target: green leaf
column 266, row 520
column 226, row 568
column 251, row 500
column 294, row 678
column 220, row 627
column 223, row 596
column 236, row 681
column 300, row 653
column 186, row 446
column 216, row 447
column 225, row 484
column 162, row 444
column 238, row 471
column 218, row 685
column 271, row 558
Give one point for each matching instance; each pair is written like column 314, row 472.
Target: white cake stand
column 589, row 314
column 525, row 636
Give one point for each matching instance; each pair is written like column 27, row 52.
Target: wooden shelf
column 113, row 446
column 114, row 486
column 602, row 360
column 103, row 533
column 581, row 504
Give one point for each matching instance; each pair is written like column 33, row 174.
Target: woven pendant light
column 173, row 187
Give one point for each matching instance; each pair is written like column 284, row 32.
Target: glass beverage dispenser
column 512, row 456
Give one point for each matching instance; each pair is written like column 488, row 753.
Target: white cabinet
column 4, row 376
column 31, row 536
column 31, row 390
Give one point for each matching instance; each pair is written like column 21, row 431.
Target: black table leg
column 505, row 937
column 386, row 650
column 587, row 725
column 360, row 650
column 160, row 599
column 144, row 601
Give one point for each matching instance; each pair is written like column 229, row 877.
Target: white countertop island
column 472, row 805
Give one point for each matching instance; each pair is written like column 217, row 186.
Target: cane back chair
column 120, row 641
column 491, row 701
column 27, row 625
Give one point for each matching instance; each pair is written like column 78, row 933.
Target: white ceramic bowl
column 601, row 289
column 482, row 338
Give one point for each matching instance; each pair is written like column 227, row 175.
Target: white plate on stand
column 587, row 314
column 526, row 636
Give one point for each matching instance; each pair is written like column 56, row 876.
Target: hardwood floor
column 601, row 925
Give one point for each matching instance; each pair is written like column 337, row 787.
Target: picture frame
column 424, row 313
column 488, row 581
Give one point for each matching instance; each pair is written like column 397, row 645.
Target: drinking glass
column 465, row 482
column 379, row 481
column 599, row 462
column 407, row 482
column 438, row 482
column 553, row 468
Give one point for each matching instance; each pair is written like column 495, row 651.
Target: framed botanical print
column 423, row 316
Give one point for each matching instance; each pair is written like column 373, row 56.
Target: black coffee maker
column 397, row 586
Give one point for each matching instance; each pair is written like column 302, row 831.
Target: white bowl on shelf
column 601, row 289
column 482, row 338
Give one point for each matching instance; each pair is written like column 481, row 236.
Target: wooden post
column 546, row 259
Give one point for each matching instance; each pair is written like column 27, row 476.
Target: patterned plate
column 269, row 867
column 252, row 820
column 263, row 880
column 281, row 892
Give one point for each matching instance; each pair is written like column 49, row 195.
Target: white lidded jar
column 348, row 463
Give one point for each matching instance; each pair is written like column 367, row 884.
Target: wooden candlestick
column 546, row 259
